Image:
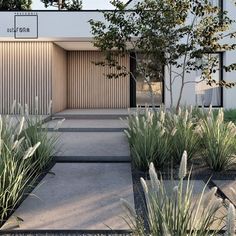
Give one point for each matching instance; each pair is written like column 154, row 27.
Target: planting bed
column 82, row 196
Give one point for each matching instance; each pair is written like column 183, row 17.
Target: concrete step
column 89, row 117
column 92, row 114
column 109, row 125
column 93, row 147
column 78, row 197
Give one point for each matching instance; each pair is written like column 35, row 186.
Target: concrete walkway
column 83, row 193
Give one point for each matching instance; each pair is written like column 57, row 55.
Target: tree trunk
column 182, row 83
column 171, row 89
column 151, row 93
column 180, row 97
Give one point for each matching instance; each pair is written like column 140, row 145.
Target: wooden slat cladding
column 88, row 87
column 69, row 79
column 59, row 79
column 25, row 72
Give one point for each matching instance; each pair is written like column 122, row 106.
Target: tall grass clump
column 36, row 131
column 149, row 139
column 218, row 141
column 185, row 137
column 176, row 212
column 26, row 149
column 161, row 137
column 17, row 170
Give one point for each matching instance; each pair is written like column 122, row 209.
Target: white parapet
column 47, row 25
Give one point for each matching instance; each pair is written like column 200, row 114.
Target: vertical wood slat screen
column 25, row 72
column 59, row 79
column 88, row 87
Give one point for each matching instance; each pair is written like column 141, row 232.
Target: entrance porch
column 65, row 74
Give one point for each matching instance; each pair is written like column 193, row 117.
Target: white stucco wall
column 229, row 58
column 229, row 95
column 52, row 25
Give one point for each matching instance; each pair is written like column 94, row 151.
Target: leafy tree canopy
column 71, row 5
column 7, row 5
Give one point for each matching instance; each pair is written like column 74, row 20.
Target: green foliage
column 149, row 140
column 70, row 5
column 15, row 5
column 230, row 115
column 25, row 152
column 218, row 140
column 161, row 137
column 200, row 112
column 17, row 170
column 185, row 137
column 36, row 131
column 176, row 211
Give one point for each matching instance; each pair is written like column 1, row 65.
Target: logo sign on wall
column 26, row 26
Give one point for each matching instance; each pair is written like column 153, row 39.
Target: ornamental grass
column 177, row 211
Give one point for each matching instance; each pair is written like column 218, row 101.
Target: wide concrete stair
column 82, row 191
column 92, row 147
column 95, row 114
column 86, row 125
column 90, row 140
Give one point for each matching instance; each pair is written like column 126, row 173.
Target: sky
column 87, row 5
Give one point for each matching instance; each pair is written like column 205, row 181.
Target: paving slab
column 113, row 125
column 97, row 113
column 78, row 197
column 228, row 187
column 93, row 146
column 92, row 113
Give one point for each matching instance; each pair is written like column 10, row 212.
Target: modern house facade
column 50, row 54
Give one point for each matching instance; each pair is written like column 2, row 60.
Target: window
column 217, row 3
column 146, row 83
column 207, row 95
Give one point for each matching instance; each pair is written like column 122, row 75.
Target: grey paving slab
column 91, row 145
column 78, row 196
column 96, row 113
column 93, row 112
column 228, row 187
column 113, row 125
